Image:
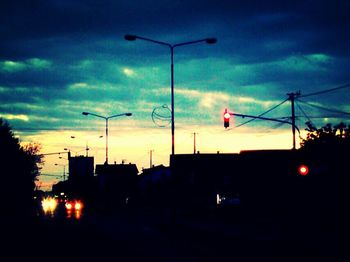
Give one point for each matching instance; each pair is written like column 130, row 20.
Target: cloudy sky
column 59, row 58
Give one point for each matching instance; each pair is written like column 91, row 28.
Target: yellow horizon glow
column 134, row 146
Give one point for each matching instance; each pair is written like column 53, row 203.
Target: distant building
column 264, row 183
column 153, row 186
column 81, row 182
column 116, row 182
column 153, row 175
column 80, row 168
column 199, row 178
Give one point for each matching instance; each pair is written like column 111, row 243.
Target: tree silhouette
column 19, row 166
column 326, row 191
column 327, row 140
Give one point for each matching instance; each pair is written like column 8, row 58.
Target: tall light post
column 86, row 147
column 106, row 118
column 171, row 47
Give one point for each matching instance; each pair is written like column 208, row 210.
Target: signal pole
column 292, row 97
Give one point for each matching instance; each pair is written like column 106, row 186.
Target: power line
column 50, row 175
column 263, row 113
column 324, row 108
column 55, row 153
column 300, row 108
column 326, row 91
column 324, row 116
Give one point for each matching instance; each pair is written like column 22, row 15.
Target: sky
column 59, row 58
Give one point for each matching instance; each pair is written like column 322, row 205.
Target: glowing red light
column 77, row 206
column 303, row 170
column 227, row 117
column 68, row 206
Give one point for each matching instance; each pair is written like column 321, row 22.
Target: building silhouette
column 153, row 185
column 81, row 183
column 116, row 184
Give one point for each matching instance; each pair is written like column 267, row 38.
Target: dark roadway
column 157, row 236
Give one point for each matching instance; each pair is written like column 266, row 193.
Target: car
column 74, row 208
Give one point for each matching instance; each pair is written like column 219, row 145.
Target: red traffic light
column 227, row 117
column 303, row 170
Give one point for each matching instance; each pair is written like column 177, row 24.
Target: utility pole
column 194, row 142
column 150, row 158
column 87, row 149
column 272, row 119
column 292, row 99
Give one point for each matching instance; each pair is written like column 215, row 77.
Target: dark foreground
column 151, row 235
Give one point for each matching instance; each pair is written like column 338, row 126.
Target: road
column 151, row 235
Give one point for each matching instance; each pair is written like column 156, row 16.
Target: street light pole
column 206, row 40
column 172, row 103
column 106, row 140
column 86, row 145
column 106, row 118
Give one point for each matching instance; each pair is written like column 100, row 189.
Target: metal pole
column 292, row 96
column 194, row 142
column 207, row 40
column 172, row 102
column 106, row 141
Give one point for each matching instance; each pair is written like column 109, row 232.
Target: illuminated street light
column 205, row 40
column 106, row 118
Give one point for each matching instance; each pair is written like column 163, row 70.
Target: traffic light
column 227, row 117
column 303, row 170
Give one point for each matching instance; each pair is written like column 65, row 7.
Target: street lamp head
column 128, row 114
column 130, row 37
column 85, row 113
column 211, row 40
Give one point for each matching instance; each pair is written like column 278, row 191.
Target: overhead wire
column 250, row 120
column 301, row 109
column 326, row 91
column 50, row 175
column 336, row 111
column 303, row 112
column 324, row 116
column 324, row 108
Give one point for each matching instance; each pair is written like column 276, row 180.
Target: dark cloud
column 265, row 46
column 52, row 27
